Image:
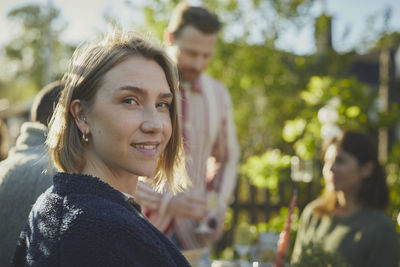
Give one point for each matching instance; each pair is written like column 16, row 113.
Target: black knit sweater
column 82, row 221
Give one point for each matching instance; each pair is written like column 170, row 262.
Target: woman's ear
column 367, row 169
column 78, row 112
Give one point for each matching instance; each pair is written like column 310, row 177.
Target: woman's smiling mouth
column 147, row 148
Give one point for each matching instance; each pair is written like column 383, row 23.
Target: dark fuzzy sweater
column 82, row 221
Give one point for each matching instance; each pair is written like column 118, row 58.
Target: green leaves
column 293, row 129
column 316, row 89
column 37, row 54
column 350, row 101
column 264, row 170
column 353, row 111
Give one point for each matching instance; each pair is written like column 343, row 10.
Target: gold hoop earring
column 85, row 139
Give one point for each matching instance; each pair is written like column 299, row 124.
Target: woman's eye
column 165, row 105
column 129, row 101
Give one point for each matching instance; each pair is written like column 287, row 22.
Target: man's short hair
column 198, row 17
column 45, row 102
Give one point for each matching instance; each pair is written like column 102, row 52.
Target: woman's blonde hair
column 89, row 63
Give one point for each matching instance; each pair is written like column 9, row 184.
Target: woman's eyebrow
column 166, row 95
column 141, row 91
column 134, row 89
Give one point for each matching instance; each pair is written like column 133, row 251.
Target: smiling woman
column 131, row 142
column 116, row 120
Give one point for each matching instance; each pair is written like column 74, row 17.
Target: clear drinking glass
column 243, row 236
column 208, row 225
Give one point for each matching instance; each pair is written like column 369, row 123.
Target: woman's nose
column 151, row 121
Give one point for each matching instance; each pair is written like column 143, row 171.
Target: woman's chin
column 144, row 173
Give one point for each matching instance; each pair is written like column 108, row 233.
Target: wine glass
column 242, row 241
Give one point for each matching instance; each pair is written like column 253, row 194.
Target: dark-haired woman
column 348, row 218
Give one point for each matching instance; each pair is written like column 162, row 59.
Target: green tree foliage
column 35, row 52
column 270, row 164
column 393, row 174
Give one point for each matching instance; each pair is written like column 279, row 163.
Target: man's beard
column 189, row 75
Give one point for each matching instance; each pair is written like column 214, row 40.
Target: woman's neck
column 347, row 204
column 118, row 179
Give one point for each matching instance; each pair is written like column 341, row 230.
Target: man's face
column 193, row 52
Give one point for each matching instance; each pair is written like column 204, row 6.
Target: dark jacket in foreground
column 82, row 221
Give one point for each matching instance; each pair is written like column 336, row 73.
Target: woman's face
column 341, row 170
column 130, row 122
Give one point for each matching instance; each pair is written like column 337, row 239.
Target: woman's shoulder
column 91, row 207
column 100, row 219
column 376, row 219
column 309, row 208
column 89, row 197
column 99, row 209
column 379, row 230
column 107, row 228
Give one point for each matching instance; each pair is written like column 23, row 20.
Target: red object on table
column 285, row 235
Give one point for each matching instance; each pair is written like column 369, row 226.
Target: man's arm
column 229, row 160
column 226, row 152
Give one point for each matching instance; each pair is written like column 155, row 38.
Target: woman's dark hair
column 374, row 191
column 45, row 102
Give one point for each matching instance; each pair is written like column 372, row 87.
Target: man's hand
column 218, row 214
column 189, row 207
column 182, row 205
column 147, row 197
